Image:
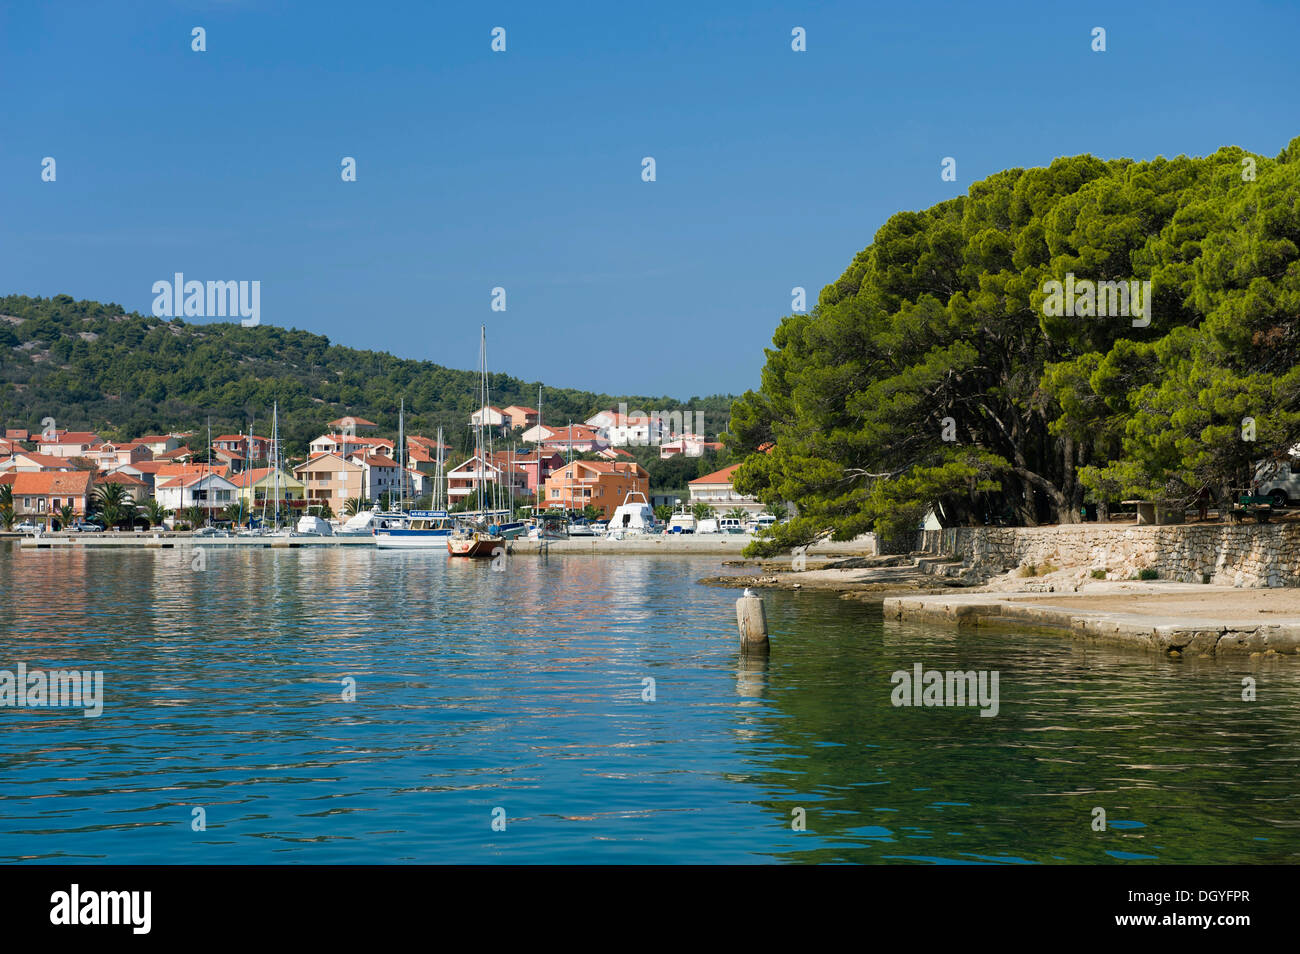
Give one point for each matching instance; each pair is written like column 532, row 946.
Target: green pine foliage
column 939, row 325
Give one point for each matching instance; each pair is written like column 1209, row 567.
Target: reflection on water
column 523, row 690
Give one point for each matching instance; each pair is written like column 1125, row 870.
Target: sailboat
column 477, row 539
column 420, row 528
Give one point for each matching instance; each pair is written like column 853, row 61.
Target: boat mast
column 438, row 478
column 275, row 462
column 401, row 450
column 537, row 446
column 207, row 468
column 485, row 446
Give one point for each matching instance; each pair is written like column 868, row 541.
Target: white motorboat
column 633, row 517
column 309, row 526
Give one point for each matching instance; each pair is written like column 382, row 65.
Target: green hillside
column 94, row 366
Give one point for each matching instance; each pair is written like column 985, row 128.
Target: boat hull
column 411, row 539
column 475, row 546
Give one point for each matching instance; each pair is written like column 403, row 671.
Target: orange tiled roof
column 49, row 483
column 717, row 477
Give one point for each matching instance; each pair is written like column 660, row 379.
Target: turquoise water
column 523, row 691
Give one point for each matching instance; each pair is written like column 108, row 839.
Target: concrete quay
column 1172, row 618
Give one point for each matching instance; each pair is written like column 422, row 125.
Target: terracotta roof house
column 716, row 490
column 330, row 479
column 358, row 423
column 39, row 495
column 33, row 462
column 519, row 416
column 69, row 443
column 137, row 488
column 490, row 416
column 604, row 484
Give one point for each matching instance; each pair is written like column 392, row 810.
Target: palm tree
column 355, row 505
column 326, row 511
column 737, row 513
column 111, row 501
column 156, row 512
column 193, row 515
column 702, row 511
column 66, row 516
column 664, row 513
column 7, row 515
column 233, row 512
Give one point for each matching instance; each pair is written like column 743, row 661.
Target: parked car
column 1279, row 483
column 25, row 527
column 85, row 526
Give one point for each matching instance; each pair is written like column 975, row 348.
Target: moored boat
column 474, row 543
column 421, row 529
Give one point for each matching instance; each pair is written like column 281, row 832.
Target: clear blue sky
column 523, row 169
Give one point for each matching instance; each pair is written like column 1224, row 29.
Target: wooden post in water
column 751, row 618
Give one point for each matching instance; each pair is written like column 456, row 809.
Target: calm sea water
column 523, row 691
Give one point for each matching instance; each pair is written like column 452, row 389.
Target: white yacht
column 633, row 517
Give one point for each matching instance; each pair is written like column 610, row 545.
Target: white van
column 1278, row 481
column 762, row 521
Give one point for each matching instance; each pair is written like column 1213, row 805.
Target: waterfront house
column 38, row 495
column 135, row 488
column 69, row 443
column 210, row 490
column 716, row 490
column 329, row 479
column 258, row 485
column 526, row 464
column 17, row 434
column 465, row 478
column 380, row 475
column 603, row 484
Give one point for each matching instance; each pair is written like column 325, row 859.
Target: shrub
column 1098, row 574
column 1148, row 575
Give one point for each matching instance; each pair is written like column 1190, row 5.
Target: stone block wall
column 1246, row 554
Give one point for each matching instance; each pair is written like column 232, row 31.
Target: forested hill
column 94, row 366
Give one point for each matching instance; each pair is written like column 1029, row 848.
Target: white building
column 489, row 416
column 717, row 491
column 195, row 490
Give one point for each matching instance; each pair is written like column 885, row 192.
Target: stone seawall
column 1247, row 554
